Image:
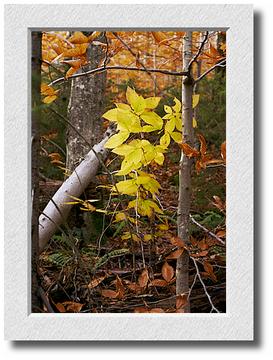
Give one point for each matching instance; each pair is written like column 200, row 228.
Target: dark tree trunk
column 36, row 38
column 86, row 105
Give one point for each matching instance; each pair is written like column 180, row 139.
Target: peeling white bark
column 56, row 211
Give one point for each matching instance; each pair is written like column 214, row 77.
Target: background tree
column 86, row 105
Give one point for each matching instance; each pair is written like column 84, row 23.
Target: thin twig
column 220, row 64
column 207, row 231
column 199, row 51
column 213, row 308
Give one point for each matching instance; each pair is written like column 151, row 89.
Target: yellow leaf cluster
column 49, row 93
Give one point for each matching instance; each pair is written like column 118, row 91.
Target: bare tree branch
column 199, row 50
column 220, row 64
column 206, row 230
column 213, row 308
column 101, row 69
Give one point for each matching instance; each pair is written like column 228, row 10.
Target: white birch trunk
column 184, row 201
column 56, row 211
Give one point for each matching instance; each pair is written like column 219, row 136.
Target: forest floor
column 114, row 275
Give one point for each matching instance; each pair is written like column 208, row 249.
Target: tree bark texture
column 35, row 148
column 56, row 211
column 86, row 105
column 184, row 201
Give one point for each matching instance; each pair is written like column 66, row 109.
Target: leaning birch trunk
column 184, row 201
column 56, row 211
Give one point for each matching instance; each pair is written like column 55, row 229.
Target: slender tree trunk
column 35, row 103
column 86, row 105
column 182, row 267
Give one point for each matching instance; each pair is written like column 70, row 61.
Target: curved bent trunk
column 56, row 211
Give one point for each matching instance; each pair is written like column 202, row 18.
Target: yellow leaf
column 49, row 99
column 126, row 167
column 148, row 182
column 159, row 158
column 194, row 123
column 177, row 106
column 144, row 207
column 127, row 187
column 123, row 106
column 147, row 237
column 165, row 140
column 47, row 90
column 170, row 125
column 168, row 109
column 117, row 140
column 153, row 119
column 111, row 115
column 123, row 150
column 134, row 156
column 148, row 128
column 120, row 217
column 137, row 102
column 149, row 152
column 126, row 235
column 195, row 100
column 178, row 122
column 163, row 227
column 176, row 136
column 152, row 102
column 128, row 121
column 135, row 238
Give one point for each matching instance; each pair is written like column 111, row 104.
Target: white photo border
column 237, row 323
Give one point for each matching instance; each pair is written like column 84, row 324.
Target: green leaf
column 152, row 102
column 117, row 140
